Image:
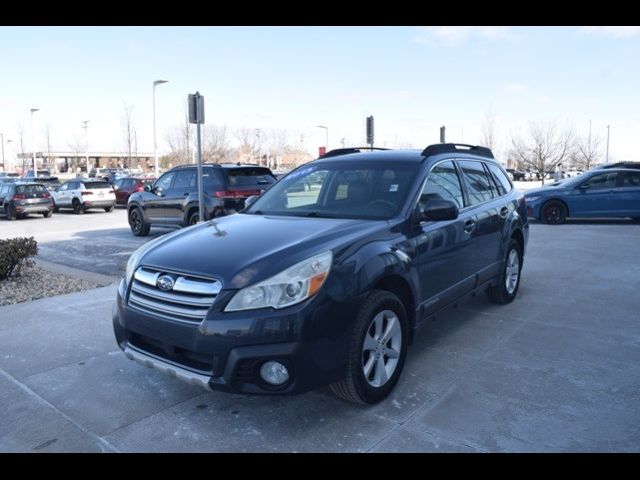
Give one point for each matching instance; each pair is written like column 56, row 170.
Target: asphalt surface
column 556, row 370
column 96, row 241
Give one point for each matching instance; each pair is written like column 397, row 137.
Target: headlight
column 289, row 287
column 135, row 256
column 533, row 198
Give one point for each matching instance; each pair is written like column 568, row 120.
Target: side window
column 73, row 186
column 605, row 180
column 502, row 181
column 443, row 184
column 63, row 187
column 164, row 181
column 477, row 182
column 630, row 180
column 183, row 178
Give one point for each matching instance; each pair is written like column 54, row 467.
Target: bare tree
column 544, row 147
column 128, row 131
column 46, row 131
column 179, row 141
column 248, row 139
column 20, row 130
column 587, row 151
column 77, row 147
column 215, row 144
column 489, row 131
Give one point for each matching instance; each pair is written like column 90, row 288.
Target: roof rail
column 346, row 151
column 438, row 148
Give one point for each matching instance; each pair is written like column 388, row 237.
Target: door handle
column 469, row 225
column 504, row 211
column 186, row 194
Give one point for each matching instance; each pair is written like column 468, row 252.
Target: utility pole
column 607, row 157
column 86, row 143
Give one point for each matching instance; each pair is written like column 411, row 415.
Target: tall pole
column 2, row 137
column 607, row 158
column 155, row 146
column 33, row 145
column 326, row 136
column 86, row 143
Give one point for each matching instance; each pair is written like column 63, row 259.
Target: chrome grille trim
column 189, row 300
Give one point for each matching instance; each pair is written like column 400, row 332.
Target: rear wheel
column 47, row 214
column 507, row 288
column 78, row 209
column 194, row 218
column 109, row 209
column 377, row 350
column 139, row 227
column 55, row 208
column 553, row 212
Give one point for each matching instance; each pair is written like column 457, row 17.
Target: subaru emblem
column 165, row 282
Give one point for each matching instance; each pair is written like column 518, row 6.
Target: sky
column 411, row 79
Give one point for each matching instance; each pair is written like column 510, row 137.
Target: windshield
column 339, row 190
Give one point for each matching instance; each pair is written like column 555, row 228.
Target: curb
column 99, row 278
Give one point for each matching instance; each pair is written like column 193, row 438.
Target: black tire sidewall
column 139, row 213
column 193, row 216
column 551, row 203
column 386, row 301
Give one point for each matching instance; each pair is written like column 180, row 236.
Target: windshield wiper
column 319, row 215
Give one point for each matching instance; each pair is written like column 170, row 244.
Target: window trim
column 496, row 181
column 461, row 173
column 424, row 182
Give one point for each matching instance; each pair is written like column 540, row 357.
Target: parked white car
column 82, row 194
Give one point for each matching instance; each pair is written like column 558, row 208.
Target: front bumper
column 225, row 350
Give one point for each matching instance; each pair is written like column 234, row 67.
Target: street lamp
column 86, row 142
column 33, row 145
column 155, row 151
column 326, row 136
column 2, row 138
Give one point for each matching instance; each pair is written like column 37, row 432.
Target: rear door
column 485, row 225
column 242, row 182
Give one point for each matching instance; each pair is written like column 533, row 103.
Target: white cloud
column 616, row 31
column 514, row 87
column 453, row 35
column 544, row 99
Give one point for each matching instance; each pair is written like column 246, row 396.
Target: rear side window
column 443, row 184
column 94, row 185
column 211, row 179
column 631, row 179
column 240, row 177
column 184, row 179
column 502, row 181
column 478, row 184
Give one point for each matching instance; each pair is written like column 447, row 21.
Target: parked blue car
column 613, row 192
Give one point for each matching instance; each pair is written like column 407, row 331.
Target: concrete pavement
column 556, row 370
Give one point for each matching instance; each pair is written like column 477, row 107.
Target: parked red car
column 125, row 186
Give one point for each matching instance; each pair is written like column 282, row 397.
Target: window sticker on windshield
column 393, row 187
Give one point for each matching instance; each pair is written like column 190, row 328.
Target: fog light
column 274, row 373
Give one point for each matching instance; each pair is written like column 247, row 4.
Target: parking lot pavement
column 556, row 370
column 96, row 241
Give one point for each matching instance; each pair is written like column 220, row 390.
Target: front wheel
column 377, row 350
column 507, row 288
column 139, row 227
column 78, row 209
column 553, row 213
column 194, row 218
column 47, row 214
column 10, row 212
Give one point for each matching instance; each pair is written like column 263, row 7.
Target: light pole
column 259, row 135
column 607, row 157
column 2, row 138
column 155, row 147
column 33, row 146
column 86, row 142
column 326, row 137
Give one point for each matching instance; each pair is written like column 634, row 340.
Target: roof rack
column 346, row 151
column 439, row 148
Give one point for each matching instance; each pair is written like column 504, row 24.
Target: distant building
column 71, row 161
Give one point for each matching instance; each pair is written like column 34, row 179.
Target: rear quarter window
column 94, row 185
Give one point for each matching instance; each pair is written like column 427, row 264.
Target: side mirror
column 147, row 188
column 249, row 200
column 584, row 186
column 159, row 191
column 439, row 210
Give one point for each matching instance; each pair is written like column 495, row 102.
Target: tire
column 78, row 209
column 377, row 312
column 55, row 208
column 553, row 213
column 10, row 213
column 139, row 227
column 109, row 209
column 507, row 288
column 193, row 218
column 47, row 214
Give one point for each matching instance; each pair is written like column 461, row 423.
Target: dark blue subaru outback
column 324, row 277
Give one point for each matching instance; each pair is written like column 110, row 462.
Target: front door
column 443, row 247
column 595, row 196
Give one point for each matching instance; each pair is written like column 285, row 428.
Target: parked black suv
column 325, row 286
column 173, row 199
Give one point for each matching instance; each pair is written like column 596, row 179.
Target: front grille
column 189, row 300
column 206, row 364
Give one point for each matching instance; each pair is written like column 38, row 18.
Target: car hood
column 243, row 249
column 552, row 187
